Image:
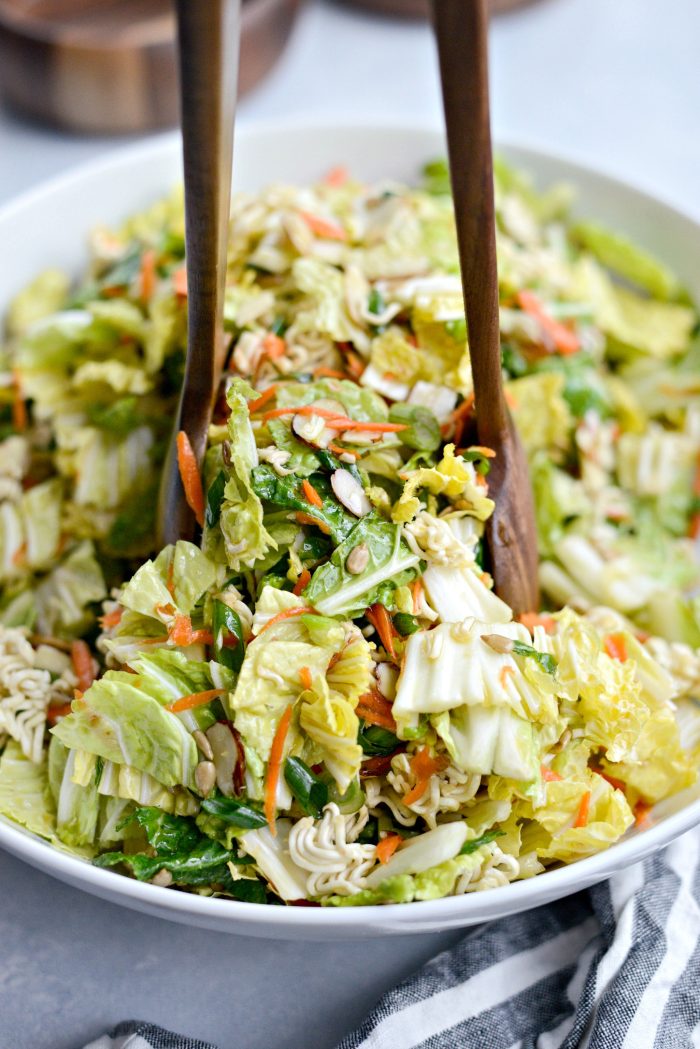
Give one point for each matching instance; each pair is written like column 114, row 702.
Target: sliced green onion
column 476, row 843
column 226, row 625
column 309, row 790
column 215, row 497
column 547, row 662
column 405, row 623
column 237, row 813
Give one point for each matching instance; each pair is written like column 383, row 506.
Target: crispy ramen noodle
column 497, row 870
column 26, row 691
column 328, row 849
column 446, row 792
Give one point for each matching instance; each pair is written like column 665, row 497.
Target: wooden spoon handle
column 461, row 29
column 208, row 38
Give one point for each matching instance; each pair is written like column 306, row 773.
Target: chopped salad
column 321, row 699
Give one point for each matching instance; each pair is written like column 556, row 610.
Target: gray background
column 611, row 82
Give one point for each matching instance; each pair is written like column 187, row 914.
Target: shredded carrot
column 273, row 769
column 341, row 423
column 458, row 419
column 387, row 847
column 583, row 810
column 110, row 619
column 191, row 478
column 180, row 282
column 373, row 708
column 354, row 364
column 165, row 610
column 328, row 373
column 19, row 557
column 642, row 812
column 335, row 421
column 82, row 664
column 273, row 347
column 423, row 766
column 54, row 713
column 481, row 449
column 261, row 401
column 504, row 674
column 147, row 275
column 381, row 621
column 302, row 582
column 196, row 699
column 77, row 694
column 337, row 176
column 615, row 647
column 549, row 775
column 305, row 677
column 616, row 783
column 19, row 405
column 417, row 591
column 181, row 633
column 310, row 493
column 336, row 448
column 286, row 613
column 308, row 519
column 565, row 340
column 533, row 619
column 323, row 227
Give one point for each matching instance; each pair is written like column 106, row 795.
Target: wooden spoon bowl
column 109, row 66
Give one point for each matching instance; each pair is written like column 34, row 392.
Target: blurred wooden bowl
column 109, row 66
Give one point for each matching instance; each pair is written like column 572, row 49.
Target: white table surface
column 613, row 83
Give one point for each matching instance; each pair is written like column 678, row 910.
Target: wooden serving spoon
column 208, row 44
column 461, row 29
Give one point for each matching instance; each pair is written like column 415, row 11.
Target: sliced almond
column 350, row 493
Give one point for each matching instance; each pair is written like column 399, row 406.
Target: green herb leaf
column 310, row 791
column 375, row 302
column 204, row 865
column 287, row 492
column 237, row 813
column 248, row 890
column 377, row 741
column 547, row 662
column 405, row 623
column 166, row 833
column 476, row 843
column 227, row 628
column 215, row 497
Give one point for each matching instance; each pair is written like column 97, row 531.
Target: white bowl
column 49, row 226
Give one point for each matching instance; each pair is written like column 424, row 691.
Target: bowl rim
column 451, row 910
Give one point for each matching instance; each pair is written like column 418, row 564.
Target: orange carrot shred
column 19, row 405
column 196, row 699
column 191, row 478
column 338, row 450
column 180, row 282
column 273, row 769
column 387, row 847
column 82, row 664
column 615, row 647
column 381, row 621
column 328, row 373
column 286, row 613
column 373, row 708
column 305, row 677
column 533, row 619
column 617, row 784
column 54, row 713
column 337, row 176
column 302, row 582
column 549, row 775
column 565, row 340
column 642, row 811
column 110, row 619
column 147, row 275
column 583, row 810
column 423, row 766
column 19, row 557
column 309, row 519
column 323, row 227
column 261, row 401
column 310, row 493
column 417, row 591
